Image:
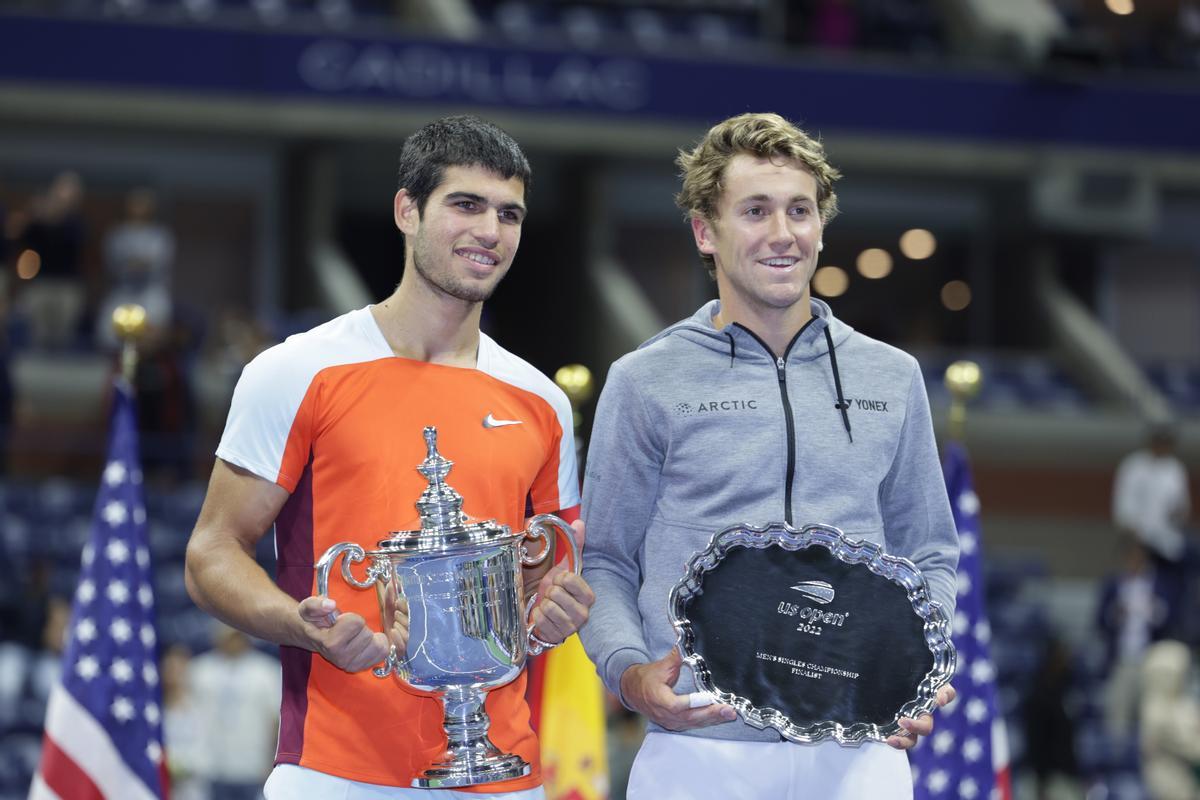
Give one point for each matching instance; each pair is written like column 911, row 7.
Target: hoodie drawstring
column 842, row 404
column 732, row 348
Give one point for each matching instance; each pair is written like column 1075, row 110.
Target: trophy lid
column 444, row 525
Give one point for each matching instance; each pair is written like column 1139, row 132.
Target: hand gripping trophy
column 467, row 633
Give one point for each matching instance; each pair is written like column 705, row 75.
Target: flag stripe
column 965, row 756
column 62, row 778
column 38, row 790
column 82, row 740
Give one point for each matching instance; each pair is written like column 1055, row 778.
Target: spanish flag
column 568, row 713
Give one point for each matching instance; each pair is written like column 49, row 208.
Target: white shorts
column 290, row 782
column 673, row 767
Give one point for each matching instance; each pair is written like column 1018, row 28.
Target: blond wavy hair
column 760, row 135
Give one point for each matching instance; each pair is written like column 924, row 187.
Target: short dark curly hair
column 453, row 142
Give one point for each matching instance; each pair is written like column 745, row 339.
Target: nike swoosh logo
column 819, row 591
column 491, row 422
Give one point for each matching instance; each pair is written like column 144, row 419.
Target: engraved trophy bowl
column 468, row 630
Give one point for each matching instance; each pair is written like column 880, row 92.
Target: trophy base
column 470, row 772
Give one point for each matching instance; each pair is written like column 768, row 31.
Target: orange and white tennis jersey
column 334, row 417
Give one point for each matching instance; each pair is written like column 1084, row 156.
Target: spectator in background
column 236, row 691
column 53, row 292
column 167, row 412
column 183, row 732
column 29, row 671
column 1049, row 730
column 1136, row 609
column 138, row 257
column 1170, row 724
column 1150, row 495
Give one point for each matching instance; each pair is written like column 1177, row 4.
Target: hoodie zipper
column 780, row 366
column 790, row 422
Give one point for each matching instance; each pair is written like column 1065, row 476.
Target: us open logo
column 817, row 591
column 812, row 619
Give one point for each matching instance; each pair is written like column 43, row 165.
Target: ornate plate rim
column 851, row 551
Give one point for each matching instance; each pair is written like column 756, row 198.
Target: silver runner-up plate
column 812, row 634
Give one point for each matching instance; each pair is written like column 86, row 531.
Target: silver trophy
column 468, row 629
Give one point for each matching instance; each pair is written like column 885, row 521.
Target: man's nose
column 488, row 230
column 780, row 234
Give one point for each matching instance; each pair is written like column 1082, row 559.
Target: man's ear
column 407, row 213
column 702, row 229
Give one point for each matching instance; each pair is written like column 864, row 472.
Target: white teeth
column 479, row 258
column 779, row 262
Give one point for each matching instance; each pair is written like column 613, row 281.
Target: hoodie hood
column 740, row 342
column 821, row 335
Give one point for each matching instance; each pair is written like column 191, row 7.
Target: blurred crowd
column 220, row 710
column 69, row 260
column 1114, row 713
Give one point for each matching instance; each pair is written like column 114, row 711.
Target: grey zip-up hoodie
column 700, row 429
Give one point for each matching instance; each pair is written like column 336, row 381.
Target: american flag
column 967, row 755
column 103, row 736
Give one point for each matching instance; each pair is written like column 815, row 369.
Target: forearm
column 918, row 523
column 224, row 580
column 613, row 637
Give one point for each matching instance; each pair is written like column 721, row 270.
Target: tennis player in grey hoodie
column 760, row 407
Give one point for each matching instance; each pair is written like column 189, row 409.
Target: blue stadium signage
column 875, row 100
column 427, row 72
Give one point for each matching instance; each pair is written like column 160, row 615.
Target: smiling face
column 463, row 242
column 763, row 239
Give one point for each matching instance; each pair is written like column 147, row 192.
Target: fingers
column 671, row 663
column 563, row 608
column 349, row 644
column 703, row 717
column 903, row 741
column 647, row 688
column 365, row 649
column 319, row 611
column 580, row 535
column 913, row 730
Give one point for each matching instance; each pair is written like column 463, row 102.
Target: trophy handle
column 539, row 528
column 353, row 554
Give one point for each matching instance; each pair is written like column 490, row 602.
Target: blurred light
column 830, row 281
column 516, row 20
column 648, row 28
column 712, row 31
column 1121, row 7
column 129, row 7
column 271, row 12
column 874, row 263
column 336, row 13
column 29, row 264
column 200, row 9
column 918, row 244
column 956, row 295
column 584, row 27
